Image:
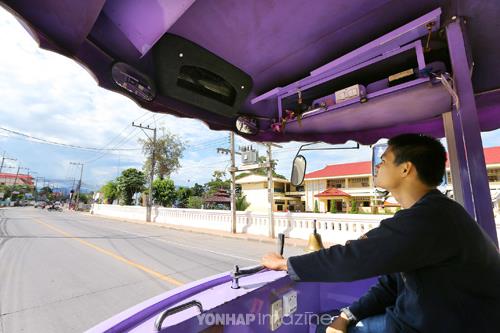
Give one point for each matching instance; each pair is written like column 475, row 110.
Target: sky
column 46, row 95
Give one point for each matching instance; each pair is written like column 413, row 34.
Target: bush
column 164, row 192
column 241, row 202
column 354, row 207
column 316, row 208
column 333, row 207
column 194, row 202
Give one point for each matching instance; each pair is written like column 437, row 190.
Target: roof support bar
column 464, row 137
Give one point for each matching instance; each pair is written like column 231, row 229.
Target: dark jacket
column 440, row 271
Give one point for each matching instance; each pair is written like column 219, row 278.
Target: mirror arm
column 331, row 148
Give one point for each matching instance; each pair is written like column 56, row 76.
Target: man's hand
column 339, row 325
column 274, row 261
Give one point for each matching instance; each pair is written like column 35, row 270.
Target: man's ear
column 406, row 168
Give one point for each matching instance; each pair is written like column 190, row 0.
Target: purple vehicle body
column 266, row 54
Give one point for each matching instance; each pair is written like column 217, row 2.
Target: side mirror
column 377, row 151
column 247, row 125
column 298, row 170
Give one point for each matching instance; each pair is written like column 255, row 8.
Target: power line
column 61, row 143
column 133, row 134
column 128, row 126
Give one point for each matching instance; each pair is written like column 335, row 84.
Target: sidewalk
column 218, row 233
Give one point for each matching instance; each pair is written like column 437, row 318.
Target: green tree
column 84, row 198
column 109, row 191
column 131, row 181
column 217, row 182
column 46, row 193
column 241, row 202
column 354, row 207
column 333, row 207
column 6, row 190
column 168, row 151
column 197, row 190
column 164, row 192
column 183, row 194
column 316, row 207
column 15, row 192
column 194, row 202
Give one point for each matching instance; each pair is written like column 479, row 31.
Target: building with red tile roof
column 13, row 179
column 352, row 183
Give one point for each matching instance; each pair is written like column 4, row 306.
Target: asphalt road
column 66, row 272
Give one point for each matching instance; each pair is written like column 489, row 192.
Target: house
column 286, row 196
column 340, row 185
column 344, row 185
column 15, row 179
column 220, row 199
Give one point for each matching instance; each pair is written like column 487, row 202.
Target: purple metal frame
column 385, row 46
column 65, row 26
column 255, row 297
column 129, row 16
column 467, row 134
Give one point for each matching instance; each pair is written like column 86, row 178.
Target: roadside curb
column 301, row 243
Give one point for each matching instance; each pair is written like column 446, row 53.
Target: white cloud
column 50, row 96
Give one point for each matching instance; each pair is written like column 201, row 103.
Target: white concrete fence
column 334, row 228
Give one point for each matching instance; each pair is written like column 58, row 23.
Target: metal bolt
column 242, row 87
column 454, row 18
column 181, row 55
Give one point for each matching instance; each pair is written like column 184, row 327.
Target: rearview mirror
column 247, row 125
column 298, row 170
column 133, row 81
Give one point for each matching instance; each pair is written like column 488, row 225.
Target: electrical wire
column 61, row 143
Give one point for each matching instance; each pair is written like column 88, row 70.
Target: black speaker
column 194, row 75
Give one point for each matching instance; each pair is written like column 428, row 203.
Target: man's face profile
column 386, row 175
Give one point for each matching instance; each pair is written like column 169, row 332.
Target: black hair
column 427, row 154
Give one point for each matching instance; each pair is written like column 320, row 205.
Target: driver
column 438, row 271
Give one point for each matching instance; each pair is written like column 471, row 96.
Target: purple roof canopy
column 276, row 43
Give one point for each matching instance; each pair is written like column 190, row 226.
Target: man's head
column 411, row 158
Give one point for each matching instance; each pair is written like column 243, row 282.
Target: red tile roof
column 332, row 192
column 491, row 155
column 346, row 169
column 13, row 175
column 27, row 179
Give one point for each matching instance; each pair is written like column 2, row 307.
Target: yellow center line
column 113, row 255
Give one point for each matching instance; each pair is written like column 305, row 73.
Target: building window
column 335, row 183
column 492, row 176
column 359, row 182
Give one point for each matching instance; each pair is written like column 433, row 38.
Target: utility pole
column 270, row 193
column 36, row 185
column 17, row 173
column 270, row 185
column 152, row 174
column 3, row 159
column 34, row 189
column 232, row 170
column 77, row 201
